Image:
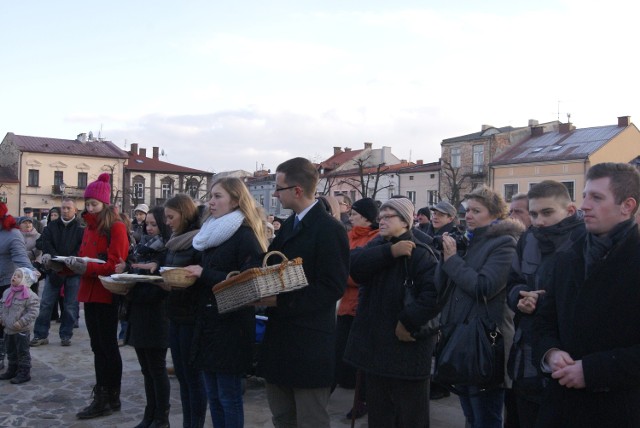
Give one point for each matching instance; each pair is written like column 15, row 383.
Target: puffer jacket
column 183, row 301
column 96, row 245
column 13, row 254
column 482, row 270
column 23, row 311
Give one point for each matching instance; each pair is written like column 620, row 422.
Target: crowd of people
column 387, row 286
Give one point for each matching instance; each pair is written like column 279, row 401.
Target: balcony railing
column 72, row 192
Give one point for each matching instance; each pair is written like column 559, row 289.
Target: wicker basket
column 242, row 288
column 116, row 286
column 177, row 278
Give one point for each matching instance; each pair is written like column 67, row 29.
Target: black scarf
column 550, row 237
column 597, row 248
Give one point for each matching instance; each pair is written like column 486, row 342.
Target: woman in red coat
column 364, row 227
column 105, row 238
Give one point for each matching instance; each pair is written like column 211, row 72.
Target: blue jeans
column 50, row 299
column 482, row 409
column 225, row 399
column 192, row 390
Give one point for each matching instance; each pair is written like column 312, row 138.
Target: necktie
column 296, row 221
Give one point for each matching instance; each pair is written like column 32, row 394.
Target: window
column 138, row 190
column 34, row 177
column 432, row 197
column 82, row 180
column 478, row 158
column 193, row 188
column 411, row 178
column 411, row 195
column 570, row 185
column 432, row 176
column 58, row 178
column 274, row 201
column 261, row 200
column 509, row 191
column 455, row 157
column 166, row 190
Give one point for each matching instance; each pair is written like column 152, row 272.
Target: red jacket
column 358, row 237
column 96, row 245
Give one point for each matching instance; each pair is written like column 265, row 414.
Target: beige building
column 44, row 170
column 420, row 183
column 564, row 155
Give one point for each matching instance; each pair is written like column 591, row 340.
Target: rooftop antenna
column 409, row 155
column 559, row 110
column 100, row 132
column 568, row 117
column 162, row 153
column 125, row 143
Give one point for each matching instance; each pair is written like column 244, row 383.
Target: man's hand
column 557, row 359
column 571, row 376
column 77, row 265
column 46, row 261
column 527, row 304
column 402, row 248
column 403, row 334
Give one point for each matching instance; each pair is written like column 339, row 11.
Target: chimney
column 565, row 128
column 403, row 161
column 143, row 152
column 336, row 150
column 347, row 149
column 485, row 127
column 624, row 121
column 134, row 149
column 368, row 145
column 533, row 122
column 420, row 162
column 82, row 137
column 156, row 153
column 537, row 131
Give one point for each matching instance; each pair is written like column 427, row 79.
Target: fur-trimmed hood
column 507, row 226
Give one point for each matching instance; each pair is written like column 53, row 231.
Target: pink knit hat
column 99, row 189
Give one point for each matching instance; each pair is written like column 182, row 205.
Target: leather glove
column 46, row 261
column 77, row 265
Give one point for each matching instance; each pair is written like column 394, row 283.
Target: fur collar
column 508, row 226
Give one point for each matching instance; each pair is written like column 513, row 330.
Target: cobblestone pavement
column 62, row 379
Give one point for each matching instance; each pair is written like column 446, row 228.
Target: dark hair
column 183, row 204
column 624, row 180
column 425, row 211
column 158, row 216
column 550, row 189
column 491, row 200
column 300, row 172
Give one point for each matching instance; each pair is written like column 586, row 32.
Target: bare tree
column 329, row 181
column 367, row 177
column 198, row 180
column 455, row 178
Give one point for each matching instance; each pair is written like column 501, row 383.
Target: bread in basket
column 177, row 277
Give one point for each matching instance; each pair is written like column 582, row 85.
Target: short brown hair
column 550, row 189
column 624, row 180
column 300, row 172
column 491, row 200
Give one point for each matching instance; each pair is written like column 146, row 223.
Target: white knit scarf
column 216, row 231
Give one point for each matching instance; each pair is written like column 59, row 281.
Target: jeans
column 102, row 324
column 17, row 346
column 153, row 364
column 192, row 390
column 49, row 301
column 225, row 399
column 482, row 409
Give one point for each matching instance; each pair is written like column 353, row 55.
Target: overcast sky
column 239, row 84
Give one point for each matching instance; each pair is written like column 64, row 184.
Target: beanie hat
column 425, row 212
column 99, row 189
column 367, row 208
column 402, row 206
column 28, row 276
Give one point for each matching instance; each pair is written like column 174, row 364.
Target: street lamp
column 62, row 189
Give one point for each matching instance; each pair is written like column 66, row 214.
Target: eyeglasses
column 280, row 189
column 386, row 218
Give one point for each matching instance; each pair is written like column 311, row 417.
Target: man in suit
column 297, row 358
column 586, row 332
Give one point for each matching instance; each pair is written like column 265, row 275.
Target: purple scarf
column 17, row 289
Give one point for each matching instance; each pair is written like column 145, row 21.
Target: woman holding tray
column 106, row 238
column 231, row 239
column 181, row 215
column 148, row 330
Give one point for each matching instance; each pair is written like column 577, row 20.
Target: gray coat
column 483, row 270
column 23, row 311
column 13, row 254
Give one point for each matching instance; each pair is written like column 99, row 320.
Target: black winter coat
column 595, row 319
column 58, row 239
column 183, row 301
column 372, row 345
column 223, row 343
column 299, row 343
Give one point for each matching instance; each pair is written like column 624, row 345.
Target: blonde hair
column 491, row 200
column 239, row 193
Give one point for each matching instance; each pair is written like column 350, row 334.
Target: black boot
column 23, row 375
column 114, row 397
column 99, row 406
column 2, row 352
column 11, row 372
column 147, row 419
column 161, row 421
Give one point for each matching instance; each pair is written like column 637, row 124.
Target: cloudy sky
column 235, row 85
